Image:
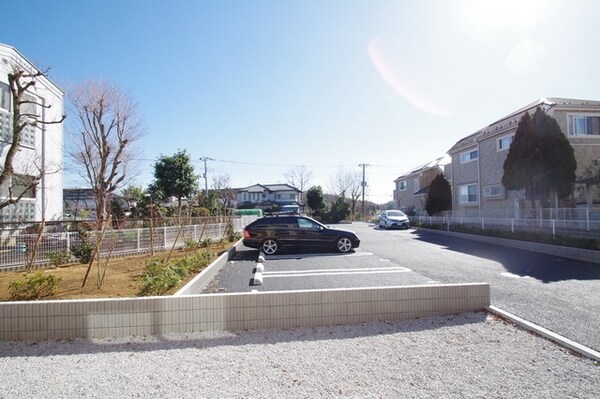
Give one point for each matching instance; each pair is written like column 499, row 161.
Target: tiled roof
column 512, row 119
column 438, row 162
column 268, row 187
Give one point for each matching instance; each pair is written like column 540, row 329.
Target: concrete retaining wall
column 584, row 255
column 42, row 320
column 198, row 283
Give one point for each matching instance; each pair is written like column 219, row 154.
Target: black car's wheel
column 343, row 244
column 269, row 246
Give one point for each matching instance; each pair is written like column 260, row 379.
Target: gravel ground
column 470, row 355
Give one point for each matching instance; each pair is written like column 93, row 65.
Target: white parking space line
column 511, row 275
column 331, row 272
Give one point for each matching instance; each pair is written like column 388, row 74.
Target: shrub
column 190, row 244
column 235, row 237
column 206, row 243
column 83, row 252
column 59, row 258
column 192, row 264
column 158, row 278
column 33, row 286
column 229, row 232
column 567, row 241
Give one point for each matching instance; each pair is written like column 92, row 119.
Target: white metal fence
column 574, row 222
column 17, row 249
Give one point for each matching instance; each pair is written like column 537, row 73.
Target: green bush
column 566, row 241
column 33, row 286
column 206, row 243
column 59, row 258
column 190, row 244
column 159, row 277
column 192, row 264
column 83, row 252
column 235, row 237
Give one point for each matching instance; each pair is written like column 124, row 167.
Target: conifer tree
column 540, row 158
column 439, row 198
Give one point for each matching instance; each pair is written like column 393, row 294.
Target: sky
column 263, row 86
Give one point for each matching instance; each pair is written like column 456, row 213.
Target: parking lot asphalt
column 309, row 270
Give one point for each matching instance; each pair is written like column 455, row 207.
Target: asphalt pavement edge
column 552, row 336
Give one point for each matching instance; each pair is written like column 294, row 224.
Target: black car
column 274, row 233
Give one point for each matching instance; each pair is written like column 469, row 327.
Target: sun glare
column 506, row 13
column 402, row 83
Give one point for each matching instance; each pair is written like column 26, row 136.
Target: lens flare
column 402, row 85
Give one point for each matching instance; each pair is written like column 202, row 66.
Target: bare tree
column 21, row 84
column 103, row 139
column 299, row 176
column 347, row 184
column 222, row 186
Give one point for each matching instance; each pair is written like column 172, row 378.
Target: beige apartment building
column 477, row 160
column 410, row 193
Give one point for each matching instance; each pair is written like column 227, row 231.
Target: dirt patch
column 122, row 278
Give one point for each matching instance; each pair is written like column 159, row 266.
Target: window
column 5, row 117
column 416, row 185
column 17, row 185
column 307, row 224
column 492, row 191
column 504, row 142
column 469, row 156
column 292, row 196
column 467, row 193
column 28, row 108
column 402, row 185
column 22, row 184
column 4, row 97
column 584, row 125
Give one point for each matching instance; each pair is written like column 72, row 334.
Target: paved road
column 559, row 294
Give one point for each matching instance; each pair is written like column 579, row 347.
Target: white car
column 393, row 220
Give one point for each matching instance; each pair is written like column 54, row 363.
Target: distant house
column 410, row 193
column 264, row 196
column 478, row 159
column 40, row 148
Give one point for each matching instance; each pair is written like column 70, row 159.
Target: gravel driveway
column 469, row 355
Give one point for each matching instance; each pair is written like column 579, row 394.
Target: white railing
column 575, row 222
column 17, row 251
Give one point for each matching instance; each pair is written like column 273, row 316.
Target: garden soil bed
column 122, row 278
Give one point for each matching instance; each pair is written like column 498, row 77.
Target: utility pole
column 364, row 184
column 205, row 175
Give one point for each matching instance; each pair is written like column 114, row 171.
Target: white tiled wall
column 42, row 320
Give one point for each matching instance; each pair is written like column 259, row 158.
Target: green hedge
column 248, row 212
column 565, row 241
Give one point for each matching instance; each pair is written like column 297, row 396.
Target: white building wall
column 46, row 153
